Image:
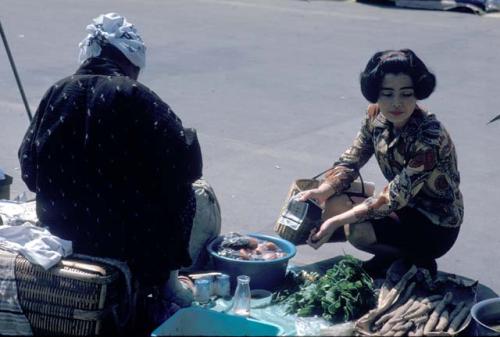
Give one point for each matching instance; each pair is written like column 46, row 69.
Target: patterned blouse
column 419, row 162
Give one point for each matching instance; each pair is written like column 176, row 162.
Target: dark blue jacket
column 107, row 159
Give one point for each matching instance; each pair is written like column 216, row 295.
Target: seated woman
column 111, row 165
column 417, row 215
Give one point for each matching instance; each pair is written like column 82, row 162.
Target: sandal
column 378, row 265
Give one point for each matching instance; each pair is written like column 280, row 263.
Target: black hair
column 111, row 52
column 403, row 61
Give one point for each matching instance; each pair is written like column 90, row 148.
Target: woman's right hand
column 320, row 194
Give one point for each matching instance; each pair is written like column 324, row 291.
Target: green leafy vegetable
column 345, row 292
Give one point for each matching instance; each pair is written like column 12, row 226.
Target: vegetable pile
column 404, row 309
column 344, row 293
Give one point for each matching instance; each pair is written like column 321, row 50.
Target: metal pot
column 484, row 313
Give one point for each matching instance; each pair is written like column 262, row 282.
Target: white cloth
column 36, row 244
column 15, row 213
column 12, row 320
column 116, row 30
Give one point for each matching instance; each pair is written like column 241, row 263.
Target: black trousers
column 415, row 234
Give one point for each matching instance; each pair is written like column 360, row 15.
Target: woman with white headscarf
column 107, row 159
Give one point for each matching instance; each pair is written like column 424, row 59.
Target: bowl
column 486, row 314
column 260, row 298
column 268, row 275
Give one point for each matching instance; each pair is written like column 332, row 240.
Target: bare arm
column 319, row 237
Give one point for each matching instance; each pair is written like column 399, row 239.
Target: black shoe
column 430, row 265
column 377, row 266
column 159, row 310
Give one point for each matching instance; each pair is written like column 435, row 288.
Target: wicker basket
column 299, row 235
column 72, row 298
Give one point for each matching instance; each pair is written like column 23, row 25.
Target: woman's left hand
column 318, row 237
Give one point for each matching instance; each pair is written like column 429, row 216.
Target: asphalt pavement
column 272, row 88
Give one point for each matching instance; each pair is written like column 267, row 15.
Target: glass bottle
column 241, row 299
column 202, row 291
column 223, row 286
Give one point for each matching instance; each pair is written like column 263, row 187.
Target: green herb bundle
column 344, row 293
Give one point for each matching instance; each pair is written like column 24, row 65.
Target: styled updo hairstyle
column 402, row 61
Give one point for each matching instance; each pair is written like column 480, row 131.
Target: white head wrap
column 116, row 30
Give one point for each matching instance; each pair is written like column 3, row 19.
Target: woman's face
column 397, row 100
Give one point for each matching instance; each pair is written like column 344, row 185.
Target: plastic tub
column 484, row 313
column 204, row 322
column 267, row 275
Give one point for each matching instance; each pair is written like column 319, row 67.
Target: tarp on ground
column 463, row 289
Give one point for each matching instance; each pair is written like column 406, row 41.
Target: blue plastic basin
column 196, row 321
column 267, row 275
